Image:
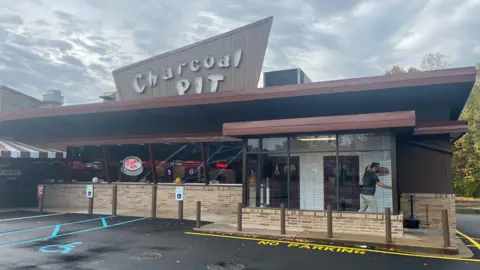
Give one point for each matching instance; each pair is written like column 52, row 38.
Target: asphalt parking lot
column 468, row 226
column 76, row 241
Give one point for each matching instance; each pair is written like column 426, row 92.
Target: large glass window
column 224, row 162
column 274, row 144
column 311, row 172
column 313, row 143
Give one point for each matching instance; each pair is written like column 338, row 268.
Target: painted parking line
column 321, row 247
column 476, row 239
column 70, row 233
column 54, row 226
column 475, row 243
column 29, row 217
column 104, row 222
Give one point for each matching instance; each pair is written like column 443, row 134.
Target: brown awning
column 322, row 124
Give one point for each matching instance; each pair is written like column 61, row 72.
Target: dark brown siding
column 424, row 170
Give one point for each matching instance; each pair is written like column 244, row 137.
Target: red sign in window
column 222, row 165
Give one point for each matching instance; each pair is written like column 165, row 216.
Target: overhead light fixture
column 307, row 139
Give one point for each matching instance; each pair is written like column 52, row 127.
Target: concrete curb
column 351, row 243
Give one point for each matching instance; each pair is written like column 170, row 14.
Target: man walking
column 368, row 185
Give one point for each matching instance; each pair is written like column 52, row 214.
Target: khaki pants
column 368, row 202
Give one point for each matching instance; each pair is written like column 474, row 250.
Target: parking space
column 77, row 241
column 469, row 231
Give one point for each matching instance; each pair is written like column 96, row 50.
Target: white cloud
column 74, row 45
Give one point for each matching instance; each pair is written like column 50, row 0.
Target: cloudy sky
column 73, row 45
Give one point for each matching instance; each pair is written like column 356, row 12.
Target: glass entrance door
column 341, row 185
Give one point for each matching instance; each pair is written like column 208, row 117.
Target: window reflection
column 274, row 144
column 320, row 143
column 318, row 175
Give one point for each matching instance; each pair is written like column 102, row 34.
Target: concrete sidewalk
column 422, row 241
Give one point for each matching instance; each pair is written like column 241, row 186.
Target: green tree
column 432, row 61
column 466, row 158
column 398, row 69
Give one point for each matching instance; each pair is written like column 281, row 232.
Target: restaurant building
column 194, row 117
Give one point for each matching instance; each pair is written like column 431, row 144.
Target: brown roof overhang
column 436, row 77
column 322, row 124
column 456, row 129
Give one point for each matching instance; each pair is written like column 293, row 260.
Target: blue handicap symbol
column 89, row 193
column 65, row 249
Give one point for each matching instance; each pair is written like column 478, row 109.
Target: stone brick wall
column 64, row 195
column 135, row 199
column 102, row 196
column 436, row 203
column 343, row 222
column 216, row 199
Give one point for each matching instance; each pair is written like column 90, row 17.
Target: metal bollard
column 199, row 213
column 239, row 217
column 282, row 218
column 180, row 210
column 90, row 206
column 40, row 205
column 154, row 201
column 388, row 226
column 446, row 229
column 329, row 222
column 114, row 200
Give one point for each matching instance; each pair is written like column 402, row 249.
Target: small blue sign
column 179, row 193
column 64, row 249
column 89, row 194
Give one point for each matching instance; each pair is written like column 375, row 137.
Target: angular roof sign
column 226, row 62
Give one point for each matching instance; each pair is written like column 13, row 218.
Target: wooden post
column 204, row 163
column 446, row 229
column 114, row 200
column 152, row 164
column 282, row 218
column 40, row 204
column 105, row 164
column 329, row 222
column 388, row 226
column 67, row 168
column 426, row 210
column 154, row 201
column 199, row 213
column 239, row 217
column 180, row 210
column 90, row 206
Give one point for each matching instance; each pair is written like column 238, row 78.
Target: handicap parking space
column 37, row 222
column 105, row 242
column 13, row 215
